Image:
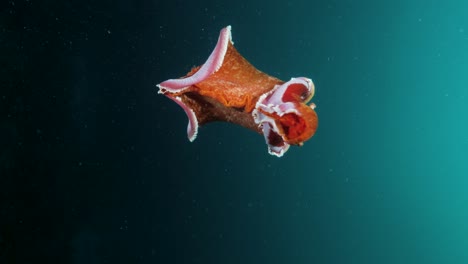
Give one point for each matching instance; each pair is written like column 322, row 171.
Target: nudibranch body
column 228, row 88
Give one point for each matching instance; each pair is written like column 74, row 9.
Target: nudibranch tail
column 192, row 126
column 212, row 64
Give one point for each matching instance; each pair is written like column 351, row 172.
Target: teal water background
column 385, row 178
column 95, row 166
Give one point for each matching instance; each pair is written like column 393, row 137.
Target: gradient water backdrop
column 95, row 166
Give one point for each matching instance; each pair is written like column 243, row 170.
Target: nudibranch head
column 284, row 116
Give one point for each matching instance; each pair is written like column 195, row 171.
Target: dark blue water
column 95, row 166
